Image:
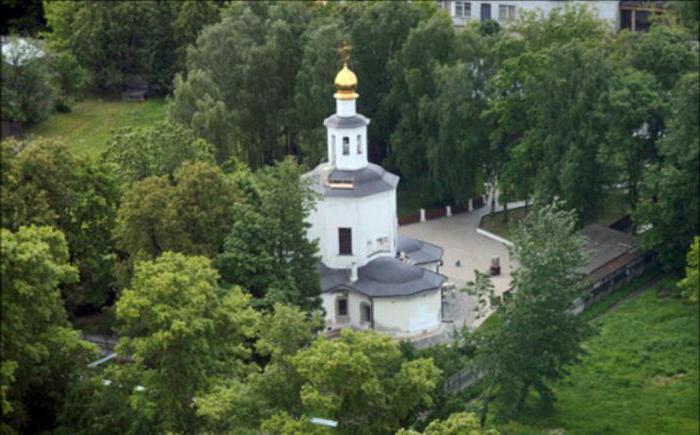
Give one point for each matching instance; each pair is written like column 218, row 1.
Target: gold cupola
column 345, row 84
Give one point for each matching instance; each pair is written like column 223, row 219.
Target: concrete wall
column 408, row 315
column 370, row 218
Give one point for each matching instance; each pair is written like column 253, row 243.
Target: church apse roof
column 382, row 277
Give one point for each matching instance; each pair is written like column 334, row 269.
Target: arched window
column 346, row 146
column 359, row 144
column 341, row 306
column 365, row 312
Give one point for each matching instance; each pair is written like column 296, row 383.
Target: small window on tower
column 346, row 146
column 359, row 144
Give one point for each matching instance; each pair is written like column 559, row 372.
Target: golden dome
column 346, row 84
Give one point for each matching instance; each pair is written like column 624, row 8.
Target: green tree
column 235, row 405
column 154, row 151
column 431, row 42
column 267, row 250
column 361, row 380
column 669, row 203
column 633, row 106
column 539, row 335
column 41, row 354
column 457, row 424
column 191, row 215
column 28, row 94
column 44, row 184
column 238, row 93
column 691, row 283
column 183, row 334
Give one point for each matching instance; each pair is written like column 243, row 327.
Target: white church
column 371, row 278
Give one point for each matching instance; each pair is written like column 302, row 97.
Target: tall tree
column 41, row 353
column 267, row 250
column 539, row 335
column 246, row 66
column 192, row 214
column 44, row 184
column 154, row 151
column 669, row 197
column 182, row 333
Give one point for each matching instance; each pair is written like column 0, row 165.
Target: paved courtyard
column 458, row 237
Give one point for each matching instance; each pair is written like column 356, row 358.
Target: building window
column 345, row 241
column 342, row 306
column 506, row 12
column 359, row 144
column 459, row 8
column 346, row 146
column 485, row 11
column 467, row 9
column 365, row 312
column 333, row 149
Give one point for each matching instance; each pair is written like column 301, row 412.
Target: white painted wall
column 353, row 160
column 354, row 314
column 408, row 315
column 606, row 9
column 370, row 217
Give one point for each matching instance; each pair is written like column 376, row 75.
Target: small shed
column 136, row 90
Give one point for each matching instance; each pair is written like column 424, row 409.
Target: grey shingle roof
column 418, row 251
column 604, row 245
column 335, row 121
column 366, row 181
column 382, row 277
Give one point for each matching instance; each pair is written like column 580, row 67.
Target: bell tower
column 347, row 130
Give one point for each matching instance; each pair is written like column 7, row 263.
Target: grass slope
column 640, row 375
column 87, row 127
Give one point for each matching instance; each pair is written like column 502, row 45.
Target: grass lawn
column 87, row 127
column 615, row 207
column 640, row 375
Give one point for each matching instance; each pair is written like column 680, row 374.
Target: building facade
column 370, row 277
column 632, row 15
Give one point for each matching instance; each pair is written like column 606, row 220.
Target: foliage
column 44, row 184
column 154, row 151
column 238, row 93
column 670, row 191
column 640, row 373
column 41, row 354
column 28, row 94
column 361, row 381
column 483, row 291
column 691, row 284
column 539, row 335
column 118, row 41
column 182, row 333
column 68, row 78
column 192, row 214
column 461, row 423
column 267, row 250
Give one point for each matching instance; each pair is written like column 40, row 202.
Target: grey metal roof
column 366, row 181
column 418, row 251
column 335, row 121
column 382, row 277
column 604, row 245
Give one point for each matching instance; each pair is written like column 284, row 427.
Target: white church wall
column 409, row 315
column 354, row 317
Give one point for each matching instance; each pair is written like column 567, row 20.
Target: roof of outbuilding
column 382, row 277
column 604, row 245
column 366, row 181
column 418, row 251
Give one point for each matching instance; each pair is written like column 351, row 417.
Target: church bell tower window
column 359, row 144
column 346, row 146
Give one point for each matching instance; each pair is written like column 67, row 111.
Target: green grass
column 613, row 208
column 87, row 127
column 640, row 375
